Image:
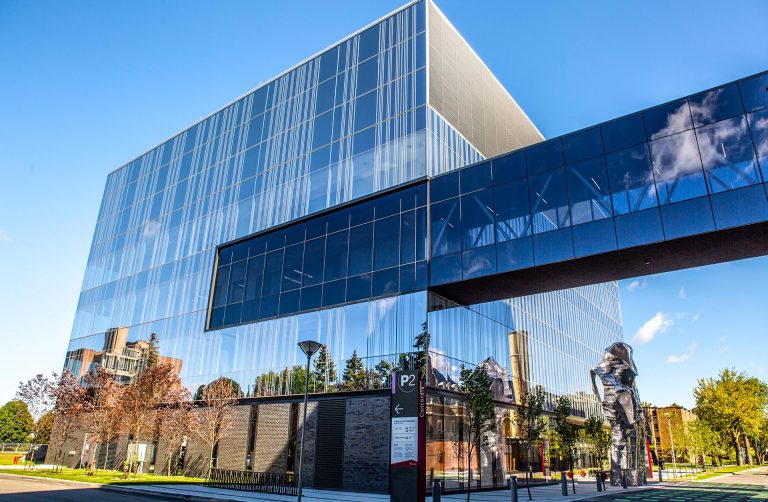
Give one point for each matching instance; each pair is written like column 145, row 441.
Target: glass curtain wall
column 549, row 340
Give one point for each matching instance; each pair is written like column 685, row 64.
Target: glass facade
column 683, row 168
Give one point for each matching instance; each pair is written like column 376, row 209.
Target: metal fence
column 15, row 447
column 250, row 481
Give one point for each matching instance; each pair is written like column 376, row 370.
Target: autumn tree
column 733, row 405
column 479, row 413
column 599, row 440
column 38, row 394
column 566, row 433
column 217, row 415
column 15, row 422
column 148, row 392
column 177, row 420
column 530, row 425
column 68, row 411
column 106, row 396
column 354, row 377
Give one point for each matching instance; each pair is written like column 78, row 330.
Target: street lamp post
column 671, row 442
column 309, row 347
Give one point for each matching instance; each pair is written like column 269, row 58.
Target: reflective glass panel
column 477, row 219
column 667, row 119
column 445, row 227
column 758, row 124
column 677, row 168
column 727, row 155
column 549, row 201
column 513, row 214
column 545, row 155
column 624, row 132
column 713, row 106
column 631, row 179
column 754, row 92
column 478, row 262
column 582, row 145
column 508, row 167
column 588, row 191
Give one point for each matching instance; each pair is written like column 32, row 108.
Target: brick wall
column 272, row 437
column 233, row 447
column 366, row 444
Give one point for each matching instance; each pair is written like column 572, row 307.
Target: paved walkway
column 755, row 477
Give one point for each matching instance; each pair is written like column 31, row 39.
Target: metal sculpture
column 623, row 411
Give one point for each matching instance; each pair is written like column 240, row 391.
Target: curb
column 117, row 488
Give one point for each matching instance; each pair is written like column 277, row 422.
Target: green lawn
column 105, row 477
column 6, row 458
column 725, row 470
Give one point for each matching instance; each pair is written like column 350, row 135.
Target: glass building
column 336, row 201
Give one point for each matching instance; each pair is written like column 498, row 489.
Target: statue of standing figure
column 623, row 411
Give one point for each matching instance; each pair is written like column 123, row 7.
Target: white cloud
column 675, row 359
column 659, row 323
column 696, row 317
column 636, row 284
column 681, row 294
column 5, row 236
column 722, row 349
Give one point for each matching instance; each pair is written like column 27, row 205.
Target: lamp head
column 309, row 347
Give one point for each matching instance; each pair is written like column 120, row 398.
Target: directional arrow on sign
column 398, row 409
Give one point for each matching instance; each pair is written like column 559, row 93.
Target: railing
column 15, row 447
column 250, row 481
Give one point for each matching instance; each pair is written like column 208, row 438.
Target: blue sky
column 88, row 85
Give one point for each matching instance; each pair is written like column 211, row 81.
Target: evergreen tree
column 324, row 373
column 153, row 352
column 15, row 422
column 383, row 371
column 298, row 379
column 355, row 377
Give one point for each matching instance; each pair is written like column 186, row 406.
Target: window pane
column 545, row 155
column 365, row 111
column 508, row 167
column 716, row 105
column 624, row 132
column 385, row 282
column 758, row 123
column 328, row 64
column 513, row 214
column 321, row 129
column 549, row 201
column 754, row 92
column 292, row 273
column 369, row 43
column 727, row 155
column 314, row 254
column 582, row 145
column 273, row 267
column 444, row 187
column 677, row 168
column 367, row 76
column 336, row 255
column 588, row 190
column 631, row 180
column 445, row 227
column 478, row 262
column 387, row 242
column 475, row 177
column 477, row 219
column 360, row 249
column 325, row 96
column 667, row 119
column 222, row 286
column 254, row 278
column 359, row 287
column 408, row 237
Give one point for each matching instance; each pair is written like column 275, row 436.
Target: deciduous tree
column 599, row 439
column 566, row 433
column 106, row 396
column 177, row 420
column 217, row 414
column 531, row 425
column 38, row 394
column 479, row 413
column 68, row 411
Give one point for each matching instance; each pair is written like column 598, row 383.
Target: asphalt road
column 751, row 477
column 14, row 489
